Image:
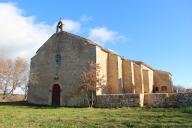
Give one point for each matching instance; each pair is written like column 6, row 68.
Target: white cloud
column 20, row 35
column 71, row 26
column 86, row 18
column 102, row 35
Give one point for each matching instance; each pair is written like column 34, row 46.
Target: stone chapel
column 57, row 65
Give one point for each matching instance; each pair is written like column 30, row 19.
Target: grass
column 13, row 116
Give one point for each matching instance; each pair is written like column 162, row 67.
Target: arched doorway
column 56, row 95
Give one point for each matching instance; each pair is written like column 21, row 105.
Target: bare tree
column 33, row 79
column 179, row 89
column 5, row 73
column 19, row 73
column 91, row 81
column 13, row 73
column 25, row 88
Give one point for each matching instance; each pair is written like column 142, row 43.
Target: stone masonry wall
column 120, row 77
column 101, row 59
column 138, row 80
column 112, row 74
column 118, row 100
column 162, row 79
column 75, row 53
column 146, row 81
column 155, row 99
column 127, row 76
column 168, row 99
column 138, row 100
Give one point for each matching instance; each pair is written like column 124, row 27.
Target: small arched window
column 155, row 89
column 164, row 88
column 58, row 59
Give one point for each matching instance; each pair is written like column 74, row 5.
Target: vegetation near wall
column 132, row 117
column 91, row 81
column 13, row 74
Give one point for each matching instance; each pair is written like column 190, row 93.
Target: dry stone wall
column 168, row 99
column 118, row 100
column 155, row 100
column 140, row 100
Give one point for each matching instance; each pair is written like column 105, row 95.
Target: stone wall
column 155, row 99
column 120, row 77
column 112, row 74
column 101, row 59
column 118, row 100
column 162, row 79
column 146, row 81
column 75, row 54
column 138, row 79
column 127, row 76
column 168, row 99
column 179, row 100
column 147, row 77
column 140, row 100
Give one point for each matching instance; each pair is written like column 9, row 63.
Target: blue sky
column 158, row 32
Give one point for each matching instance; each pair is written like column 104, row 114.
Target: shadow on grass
column 186, row 110
column 14, row 103
column 26, row 104
column 35, row 106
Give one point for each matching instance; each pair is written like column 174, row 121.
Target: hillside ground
column 24, row 116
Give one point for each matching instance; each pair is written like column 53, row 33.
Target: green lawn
column 49, row 117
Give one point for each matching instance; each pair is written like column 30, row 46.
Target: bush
column 186, row 110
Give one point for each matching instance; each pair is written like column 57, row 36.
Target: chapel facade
column 56, row 68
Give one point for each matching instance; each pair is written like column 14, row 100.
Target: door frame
column 50, row 93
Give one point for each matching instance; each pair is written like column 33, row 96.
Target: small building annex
column 56, row 68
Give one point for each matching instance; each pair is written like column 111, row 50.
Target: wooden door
column 56, row 95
